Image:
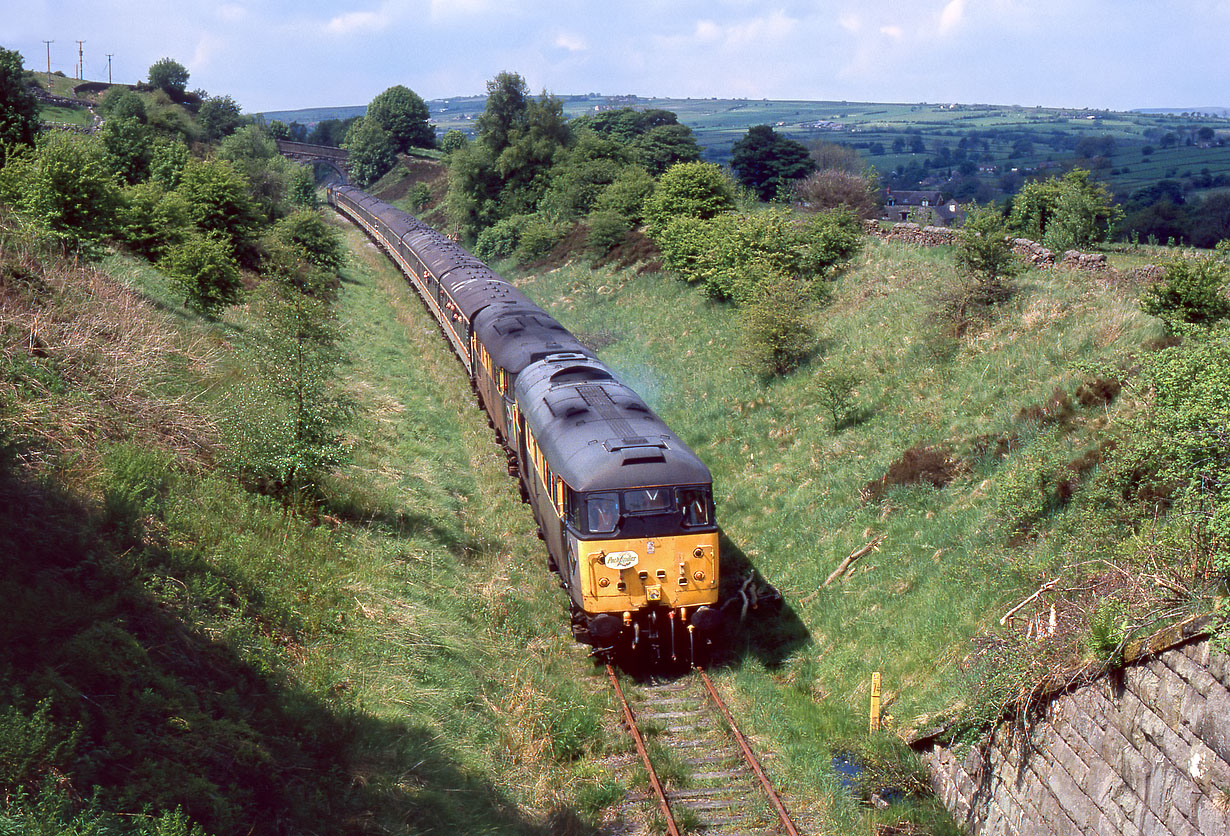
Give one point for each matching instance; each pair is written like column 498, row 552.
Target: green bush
column 501, row 238
column 420, row 196
column 627, row 194
column 694, row 190
column 606, row 230
column 318, row 242
column 202, row 267
column 65, row 185
column 150, row 219
column 777, row 332
column 1192, row 291
column 538, row 237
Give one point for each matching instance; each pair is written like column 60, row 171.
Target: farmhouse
column 926, row 207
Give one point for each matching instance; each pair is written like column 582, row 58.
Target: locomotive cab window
column 648, row 500
column 601, row 512
column 696, row 504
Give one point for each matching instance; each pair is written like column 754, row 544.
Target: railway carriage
column 624, row 507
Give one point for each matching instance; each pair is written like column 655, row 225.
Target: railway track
column 714, row 783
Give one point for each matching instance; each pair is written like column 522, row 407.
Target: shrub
column 501, row 238
column 150, row 219
column 318, row 242
column 838, row 189
column 202, row 267
column 627, row 194
column 65, row 185
column 695, row 190
column 420, row 196
column 218, row 201
column 538, row 237
column 606, row 230
column 1192, row 291
column 777, row 331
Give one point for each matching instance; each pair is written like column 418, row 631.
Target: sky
column 291, row 54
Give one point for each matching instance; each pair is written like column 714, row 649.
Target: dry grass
column 91, row 359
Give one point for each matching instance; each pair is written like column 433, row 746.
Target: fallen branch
column 853, row 556
column 1026, row 602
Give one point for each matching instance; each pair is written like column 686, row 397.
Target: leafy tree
column 301, row 191
column 18, row 107
column 404, row 116
column 371, row 152
column 607, row 228
column 130, row 145
column 664, row 145
column 627, row 194
column 316, row 242
column 766, row 162
column 331, row 132
column 535, row 145
column 203, row 268
column 835, row 391
column 419, row 196
column 151, row 219
column 507, row 101
column 278, row 129
column 168, row 75
column 167, row 161
column 219, row 116
column 1064, row 213
column 64, row 184
column 694, row 190
column 1193, row 291
column 218, row 202
column 589, row 168
column 122, row 103
column 288, row 420
column 453, row 140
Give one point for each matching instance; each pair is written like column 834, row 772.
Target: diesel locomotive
column 624, row 506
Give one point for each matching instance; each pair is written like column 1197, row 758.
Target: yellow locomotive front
column 643, row 565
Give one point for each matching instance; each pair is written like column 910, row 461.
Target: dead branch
column 853, row 556
column 1026, row 602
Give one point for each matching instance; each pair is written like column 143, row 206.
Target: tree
column 983, row 253
column 1193, row 291
column 64, row 184
column 1064, row 213
column 122, row 103
column 766, row 162
column 777, row 331
column 403, row 115
column 452, row 140
column 664, row 145
column 315, row 241
column 219, row 116
column 371, row 152
column 168, row 75
column 534, row 146
column 507, row 100
column 204, row 270
column 130, row 145
column 838, row 157
column 218, row 200
column 831, row 188
column 694, row 190
column 18, row 107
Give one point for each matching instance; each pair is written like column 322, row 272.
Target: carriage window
column 695, row 505
column 647, row 499
column 602, row 512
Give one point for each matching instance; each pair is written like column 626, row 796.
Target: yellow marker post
column 875, row 702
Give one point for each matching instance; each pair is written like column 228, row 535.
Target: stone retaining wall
column 1144, row 750
column 1030, row 251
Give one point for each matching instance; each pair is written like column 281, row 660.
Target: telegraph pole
column 109, row 54
column 49, row 43
column 80, row 61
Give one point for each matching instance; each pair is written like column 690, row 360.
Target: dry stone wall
column 1144, row 750
column 1031, row 252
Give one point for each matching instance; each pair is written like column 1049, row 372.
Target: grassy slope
column 352, row 676
column 788, row 487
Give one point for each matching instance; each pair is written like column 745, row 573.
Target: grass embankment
column 791, row 491
column 172, row 641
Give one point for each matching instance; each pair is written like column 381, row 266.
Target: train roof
column 598, row 434
column 517, row 333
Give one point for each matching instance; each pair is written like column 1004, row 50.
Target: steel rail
column 748, row 756
column 671, row 828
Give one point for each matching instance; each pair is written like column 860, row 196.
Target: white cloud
column 571, row 42
column 894, row 32
column 850, row 22
column 231, row 13
column 356, row 22
column 444, row 9
column 951, row 16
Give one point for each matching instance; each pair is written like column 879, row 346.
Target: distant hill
column 1222, row 112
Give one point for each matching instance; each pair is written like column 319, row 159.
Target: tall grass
column 788, row 486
